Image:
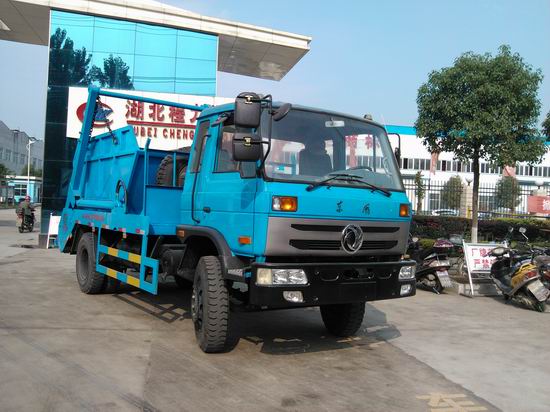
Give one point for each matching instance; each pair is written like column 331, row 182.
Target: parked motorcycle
column 432, row 264
column 517, row 276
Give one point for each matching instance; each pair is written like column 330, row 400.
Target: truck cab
column 273, row 206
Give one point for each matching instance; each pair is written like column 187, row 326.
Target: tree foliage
column 114, row 74
column 68, row 67
column 485, row 106
column 4, row 171
column 507, row 193
column 482, row 107
column 451, row 193
column 419, row 191
column 32, row 171
column 546, row 126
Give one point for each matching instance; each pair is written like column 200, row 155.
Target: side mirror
column 248, row 109
column 281, row 112
column 397, row 153
column 247, row 147
column 415, row 239
column 510, row 229
column 522, row 230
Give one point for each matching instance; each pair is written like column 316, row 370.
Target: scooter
column 432, row 264
column 516, row 275
column 25, row 222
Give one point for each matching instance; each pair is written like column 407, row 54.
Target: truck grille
column 303, row 244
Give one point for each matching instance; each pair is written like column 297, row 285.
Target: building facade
column 416, row 158
column 114, row 54
column 14, row 152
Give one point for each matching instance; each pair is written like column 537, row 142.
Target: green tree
column 507, row 193
column 4, row 171
column 546, row 126
column 483, row 107
column 32, row 171
column 68, row 67
column 451, row 193
column 114, row 74
column 419, row 191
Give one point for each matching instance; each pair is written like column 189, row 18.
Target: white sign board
column 478, row 260
column 168, row 127
column 53, row 228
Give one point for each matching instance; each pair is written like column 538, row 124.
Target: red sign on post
column 538, row 204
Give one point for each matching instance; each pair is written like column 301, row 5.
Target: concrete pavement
column 63, row 350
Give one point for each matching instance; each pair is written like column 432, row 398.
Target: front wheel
column 343, row 319
column 210, row 305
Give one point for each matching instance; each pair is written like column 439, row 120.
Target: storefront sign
column 168, row 127
column 538, row 204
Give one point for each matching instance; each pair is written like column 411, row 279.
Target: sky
column 367, row 56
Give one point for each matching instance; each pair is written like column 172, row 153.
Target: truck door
column 227, row 190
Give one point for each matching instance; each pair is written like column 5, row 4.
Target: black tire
column 210, row 305
column 166, row 170
column 90, row 281
column 343, row 320
column 20, row 228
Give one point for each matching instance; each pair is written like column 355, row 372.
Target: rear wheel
column 344, row 319
column 210, row 305
column 90, row 281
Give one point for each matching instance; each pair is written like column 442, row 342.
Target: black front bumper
column 333, row 283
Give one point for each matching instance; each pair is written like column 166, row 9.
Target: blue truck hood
column 333, row 202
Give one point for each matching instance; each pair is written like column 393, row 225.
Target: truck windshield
column 307, row 146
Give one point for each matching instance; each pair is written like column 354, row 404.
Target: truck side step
column 141, row 259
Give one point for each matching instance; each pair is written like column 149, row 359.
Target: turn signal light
column 284, row 203
column 404, row 210
column 245, row 240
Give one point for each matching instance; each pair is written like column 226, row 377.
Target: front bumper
column 334, row 283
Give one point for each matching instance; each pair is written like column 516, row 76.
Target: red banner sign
column 538, row 204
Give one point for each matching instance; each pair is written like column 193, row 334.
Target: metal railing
column 444, row 198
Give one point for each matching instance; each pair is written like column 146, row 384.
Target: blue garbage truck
column 273, row 206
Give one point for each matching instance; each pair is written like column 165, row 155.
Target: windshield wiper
column 348, row 177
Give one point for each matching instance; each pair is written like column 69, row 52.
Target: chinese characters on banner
column 538, row 204
column 478, row 260
column 168, row 127
column 150, row 120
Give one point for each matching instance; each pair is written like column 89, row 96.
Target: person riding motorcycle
column 25, row 206
column 25, row 212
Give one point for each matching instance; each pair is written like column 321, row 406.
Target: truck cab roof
column 229, row 107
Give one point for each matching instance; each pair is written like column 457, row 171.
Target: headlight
column 281, row 277
column 407, row 272
column 284, row 203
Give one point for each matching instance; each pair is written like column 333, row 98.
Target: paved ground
column 62, row 350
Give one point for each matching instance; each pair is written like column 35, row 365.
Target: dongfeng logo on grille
column 352, row 238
